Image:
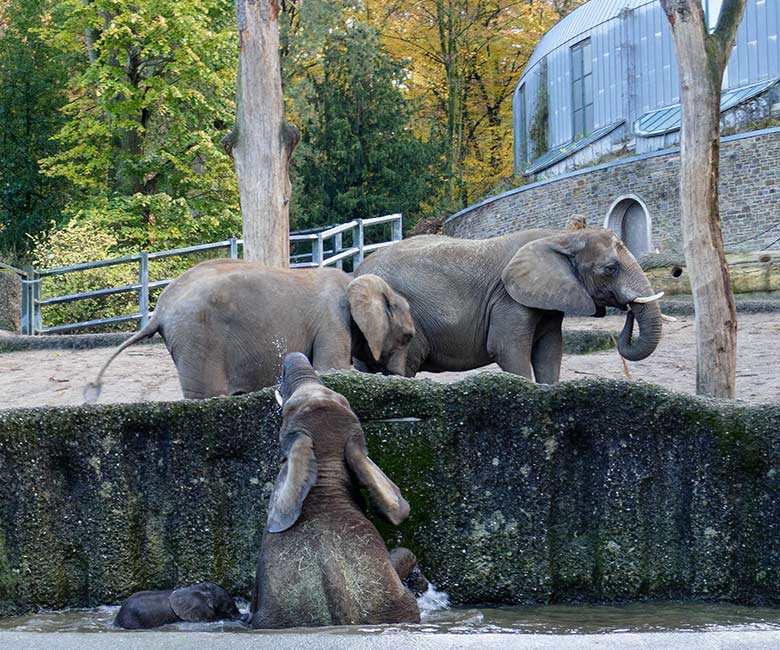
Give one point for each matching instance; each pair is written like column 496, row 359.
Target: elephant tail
column 91, row 391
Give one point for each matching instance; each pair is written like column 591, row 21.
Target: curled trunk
column 296, row 371
column 648, row 317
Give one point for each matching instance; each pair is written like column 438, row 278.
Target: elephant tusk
column 669, row 319
column 278, row 397
column 645, row 299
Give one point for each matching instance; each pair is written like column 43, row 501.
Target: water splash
column 433, row 600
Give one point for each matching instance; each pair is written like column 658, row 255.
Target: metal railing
column 326, row 248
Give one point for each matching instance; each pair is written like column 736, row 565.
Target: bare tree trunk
column 262, row 142
column 702, row 57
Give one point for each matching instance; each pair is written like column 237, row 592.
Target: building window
column 582, row 89
column 523, row 130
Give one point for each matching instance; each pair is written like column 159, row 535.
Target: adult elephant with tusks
column 502, row 300
column 229, row 323
column 322, row 562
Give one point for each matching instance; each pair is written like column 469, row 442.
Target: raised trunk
column 702, row 58
column 262, row 142
column 296, row 371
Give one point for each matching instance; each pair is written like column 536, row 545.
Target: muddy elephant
column 204, row 602
column 322, row 562
column 229, row 323
column 503, row 299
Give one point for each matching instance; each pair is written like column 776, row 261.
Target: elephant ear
column 385, row 496
column 378, row 311
column 296, row 478
column 192, row 604
column 542, row 275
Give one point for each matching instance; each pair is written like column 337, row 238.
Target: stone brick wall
column 750, row 196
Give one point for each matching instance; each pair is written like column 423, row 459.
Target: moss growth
column 583, row 491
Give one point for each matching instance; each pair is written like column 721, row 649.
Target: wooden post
column 701, row 58
column 262, row 143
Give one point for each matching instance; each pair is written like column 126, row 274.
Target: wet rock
column 584, row 491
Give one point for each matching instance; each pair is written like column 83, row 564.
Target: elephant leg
column 511, row 338
column 201, row 371
column 331, row 350
column 547, row 350
column 405, row 564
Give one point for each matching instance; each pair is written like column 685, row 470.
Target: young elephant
column 229, row 323
column 204, row 601
column 322, row 562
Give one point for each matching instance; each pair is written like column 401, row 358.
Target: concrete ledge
column 68, row 341
column 590, row 491
column 331, row 640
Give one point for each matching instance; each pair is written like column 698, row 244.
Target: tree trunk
column 701, row 58
column 262, row 143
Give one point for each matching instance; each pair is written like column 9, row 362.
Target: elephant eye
column 611, row 269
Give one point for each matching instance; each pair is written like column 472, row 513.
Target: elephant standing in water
column 502, row 300
column 229, row 323
column 322, row 562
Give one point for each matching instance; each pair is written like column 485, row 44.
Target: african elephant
column 204, row 601
column 229, row 323
column 322, row 562
column 502, row 300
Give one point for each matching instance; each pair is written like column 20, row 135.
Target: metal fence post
column 317, row 250
column 357, row 242
column 233, row 252
column 27, row 319
column 143, row 292
column 398, row 228
column 337, row 246
column 35, row 297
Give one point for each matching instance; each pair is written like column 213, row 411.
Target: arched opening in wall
column 628, row 219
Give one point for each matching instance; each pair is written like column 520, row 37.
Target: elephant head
column 318, row 434
column 384, row 318
column 581, row 273
column 204, row 601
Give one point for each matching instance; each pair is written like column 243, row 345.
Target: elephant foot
column 405, row 564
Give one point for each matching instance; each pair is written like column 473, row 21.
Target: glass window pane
column 578, row 125
column 587, row 60
column 576, row 63
column 588, row 121
column 577, row 94
column 587, row 84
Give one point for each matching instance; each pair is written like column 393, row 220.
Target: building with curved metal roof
column 608, row 75
column 596, row 126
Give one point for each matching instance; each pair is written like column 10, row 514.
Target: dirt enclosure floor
column 146, row 372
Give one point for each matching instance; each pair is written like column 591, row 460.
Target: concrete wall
column 584, row 491
column 750, row 196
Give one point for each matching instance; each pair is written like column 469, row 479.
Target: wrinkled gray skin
column 322, row 562
column 202, row 602
column 502, row 300
column 229, row 323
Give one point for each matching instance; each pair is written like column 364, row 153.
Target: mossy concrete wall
column 583, row 491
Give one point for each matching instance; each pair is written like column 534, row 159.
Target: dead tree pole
column 262, row 142
column 702, row 57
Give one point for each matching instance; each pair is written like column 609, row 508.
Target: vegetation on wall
column 540, row 122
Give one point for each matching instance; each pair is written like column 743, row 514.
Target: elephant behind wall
column 229, row 323
column 502, row 300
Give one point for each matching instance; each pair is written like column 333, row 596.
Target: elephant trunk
column 296, row 371
column 648, row 317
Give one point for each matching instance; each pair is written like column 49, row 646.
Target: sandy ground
column 146, row 372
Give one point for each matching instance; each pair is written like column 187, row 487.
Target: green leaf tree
column 32, row 83
column 359, row 156
column 140, row 145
